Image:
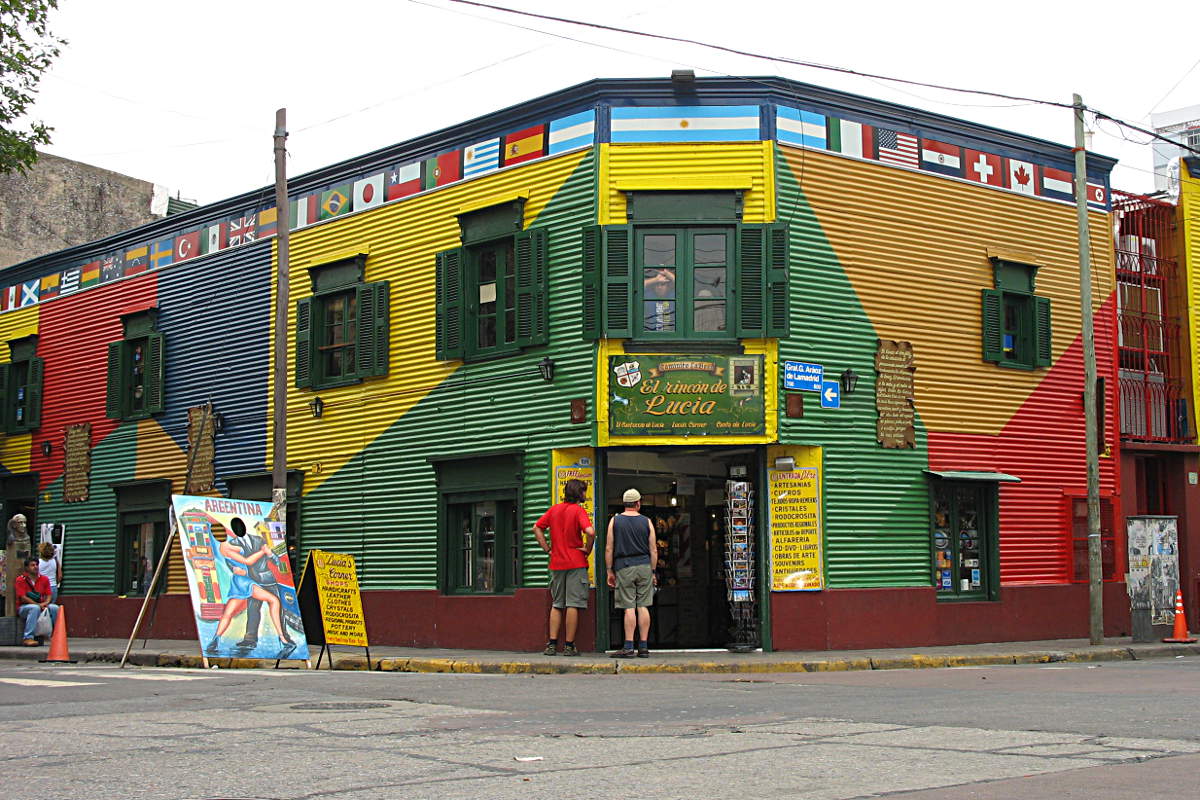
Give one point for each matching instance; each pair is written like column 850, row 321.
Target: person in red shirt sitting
column 568, row 523
column 33, row 595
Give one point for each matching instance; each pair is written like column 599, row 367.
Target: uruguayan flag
column 685, row 124
column 481, row 158
column 569, row 133
column 795, row 126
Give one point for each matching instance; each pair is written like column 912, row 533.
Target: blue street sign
column 831, row 394
column 801, row 376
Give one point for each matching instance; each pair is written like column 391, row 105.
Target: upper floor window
column 21, row 387
column 492, row 291
column 136, row 367
column 1016, row 322
column 685, row 269
column 342, row 331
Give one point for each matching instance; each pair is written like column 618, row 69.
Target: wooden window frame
column 24, row 362
column 141, row 330
column 987, row 529
column 342, row 279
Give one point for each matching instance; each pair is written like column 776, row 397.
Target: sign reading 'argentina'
column 692, row 395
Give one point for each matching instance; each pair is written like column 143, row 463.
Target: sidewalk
column 186, row 653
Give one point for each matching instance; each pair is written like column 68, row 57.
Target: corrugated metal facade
column 369, row 489
column 903, row 255
column 1189, row 225
column 15, row 449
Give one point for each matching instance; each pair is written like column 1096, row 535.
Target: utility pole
column 1095, row 567
column 279, row 374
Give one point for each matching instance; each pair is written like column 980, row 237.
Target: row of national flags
column 367, row 191
column 905, row 149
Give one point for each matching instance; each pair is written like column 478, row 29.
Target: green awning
column 972, row 475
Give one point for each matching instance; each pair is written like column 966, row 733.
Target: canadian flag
column 1021, row 177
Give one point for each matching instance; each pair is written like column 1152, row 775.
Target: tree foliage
column 26, row 49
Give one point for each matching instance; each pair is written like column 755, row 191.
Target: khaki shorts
column 635, row 587
column 569, row 588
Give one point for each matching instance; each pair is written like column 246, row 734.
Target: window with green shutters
column 491, row 296
column 1016, row 322
column 136, row 368
column 696, row 282
column 342, row 330
column 21, row 387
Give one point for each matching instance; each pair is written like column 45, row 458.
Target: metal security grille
column 1149, row 328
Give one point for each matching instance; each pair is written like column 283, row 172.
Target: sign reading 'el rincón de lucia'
column 686, row 395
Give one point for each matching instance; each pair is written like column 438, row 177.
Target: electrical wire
column 812, row 65
column 1182, row 78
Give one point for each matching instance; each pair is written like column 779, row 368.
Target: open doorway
column 685, row 495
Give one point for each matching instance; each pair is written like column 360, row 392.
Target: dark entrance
column 684, row 494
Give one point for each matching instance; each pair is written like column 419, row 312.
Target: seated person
column 33, row 594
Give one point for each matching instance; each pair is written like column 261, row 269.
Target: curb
column 572, row 667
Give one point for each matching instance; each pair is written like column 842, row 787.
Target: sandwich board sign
column 331, row 603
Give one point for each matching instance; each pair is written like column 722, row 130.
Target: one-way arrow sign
column 831, row 394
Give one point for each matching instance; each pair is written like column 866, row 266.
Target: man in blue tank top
column 631, row 554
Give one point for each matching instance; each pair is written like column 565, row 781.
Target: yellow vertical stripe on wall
column 1189, row 225
column 402, row 239
column 14, row 448
column 680, row 166
column 915, row 248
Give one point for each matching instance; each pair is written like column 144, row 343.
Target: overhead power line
column 815, row 65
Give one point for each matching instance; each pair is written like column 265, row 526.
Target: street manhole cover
column 338, row 706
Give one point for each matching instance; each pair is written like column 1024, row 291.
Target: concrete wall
column 60, row 203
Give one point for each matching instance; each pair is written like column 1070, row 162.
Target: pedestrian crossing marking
column 37, row 682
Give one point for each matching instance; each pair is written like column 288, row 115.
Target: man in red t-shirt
column 568, row 524
column 33, row 595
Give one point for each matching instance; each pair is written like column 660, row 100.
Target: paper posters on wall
column 794, row 500
column 577, row 463
column 242, row 585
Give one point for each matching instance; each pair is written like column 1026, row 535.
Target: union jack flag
column 241, row 230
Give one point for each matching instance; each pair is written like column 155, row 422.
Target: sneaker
column 643, row 652
column 551, row 649
column 30, row 643
column 570, row 650
column 623, row 653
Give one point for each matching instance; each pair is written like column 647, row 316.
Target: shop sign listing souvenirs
column 686, row 395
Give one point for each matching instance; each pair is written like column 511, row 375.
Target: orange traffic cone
column 58, row 641
column 1180, row 634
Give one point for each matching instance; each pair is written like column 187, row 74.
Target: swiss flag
column 1021, row 177
column 984, row 168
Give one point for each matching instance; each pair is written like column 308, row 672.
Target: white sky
column 184, row 94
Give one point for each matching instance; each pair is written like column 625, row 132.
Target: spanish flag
column 525, row 145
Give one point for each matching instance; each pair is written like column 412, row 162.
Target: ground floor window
column 479, row 528
column 143, row 535
column 1079, row 540
column 964, row 539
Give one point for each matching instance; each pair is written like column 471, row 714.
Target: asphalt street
column 1030, row 731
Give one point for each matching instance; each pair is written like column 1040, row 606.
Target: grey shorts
column 569, row 588
column 635, row 587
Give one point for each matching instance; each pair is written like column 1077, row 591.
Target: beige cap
column 631, row 496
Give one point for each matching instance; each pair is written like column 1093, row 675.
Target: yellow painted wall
column 918, row 274
column 15, row 448
column 1189, row 226
column 401, row 239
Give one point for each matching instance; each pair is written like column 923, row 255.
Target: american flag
column 241, row 230
column 897, row 148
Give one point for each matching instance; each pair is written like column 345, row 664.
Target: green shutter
column 155, row 373
column 778, row 267
column 114, row 405
column 751, row 281
column 371, row 341
column 993, row 331
column 1042, row 351
column 618, row 281
column 530, row 250
column 304, row 343
column 449, row 301
column 5, row 405
column 591, row 258
column 33, row 403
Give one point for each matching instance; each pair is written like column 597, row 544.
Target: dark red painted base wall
column 848, row 619
column 842, row 619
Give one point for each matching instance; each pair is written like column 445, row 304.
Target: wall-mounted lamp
column 218, row 422
column 546, row 367
column 317, row 407
column 849, row 381
column 785, row 464
column 47, row 448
